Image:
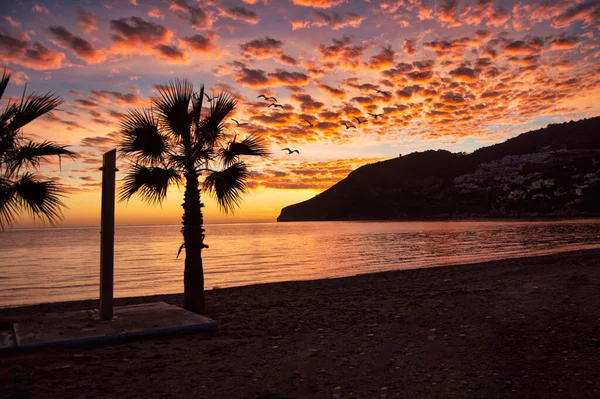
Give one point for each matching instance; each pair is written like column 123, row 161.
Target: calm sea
column 58, row 264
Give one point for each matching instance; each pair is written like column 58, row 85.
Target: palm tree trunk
column 193, row 237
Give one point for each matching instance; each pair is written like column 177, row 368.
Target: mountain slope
column 553, row 171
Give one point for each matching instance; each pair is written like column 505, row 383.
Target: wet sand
column 517, row 328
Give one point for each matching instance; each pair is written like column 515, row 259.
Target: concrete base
column 85, row 327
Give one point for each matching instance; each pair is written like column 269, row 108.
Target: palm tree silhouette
column 175, row 142
column 22, row 190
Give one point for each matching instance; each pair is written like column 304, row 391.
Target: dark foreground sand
column 516, row 328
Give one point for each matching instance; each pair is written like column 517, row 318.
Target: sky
column 404, row 75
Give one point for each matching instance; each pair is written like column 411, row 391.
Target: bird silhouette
column 307, row 121
column 263, row 96
column 238, row 123
column 271, row 98
column 358, row 120
column 385, row 93
column 208, row 98
column 348, row 126
column 275, row 105
column 290, row 151
column 374, row 115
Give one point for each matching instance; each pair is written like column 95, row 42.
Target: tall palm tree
column 175, row 142
column 22, row 190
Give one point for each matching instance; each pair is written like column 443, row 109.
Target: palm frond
column 197, row 100
column 39, row 198
column 31, row 154
column 227, row 186
column 4, row 82
column 251, row 146
column 172, row 103
column 141, row 137
column 31, row 108
column 199, row 156
column 8, row 140
column 5, row 117
column 211, row 128
column 150, row 183
column 8, row 203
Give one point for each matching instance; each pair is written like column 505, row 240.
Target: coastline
column 459, row 218
column 523, row 327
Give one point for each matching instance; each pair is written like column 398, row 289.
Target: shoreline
column 458, row 218
column 81, row 304
column 489, row 218
column 516, row 328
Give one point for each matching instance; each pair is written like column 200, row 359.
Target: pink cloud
column 318, row 3
column 86, row 20
column 81, row 47
column 36, row 56
column 40, row 9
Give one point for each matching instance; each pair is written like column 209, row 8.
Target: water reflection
column 62, row 264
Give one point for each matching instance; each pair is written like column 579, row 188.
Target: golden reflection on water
column 48, row 265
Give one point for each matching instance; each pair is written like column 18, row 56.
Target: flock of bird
column 275, row 104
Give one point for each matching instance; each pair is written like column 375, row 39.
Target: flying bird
column 358, row 120
column 385, row 93
column 238, row 123
column 263, row 96
column 290, row 151
column 208, row 98
column 348, row 126
column 374, row 115
column 307, row 121
column 271, row 98
column 275, row 105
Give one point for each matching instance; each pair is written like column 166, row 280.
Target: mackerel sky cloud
column 455, row 74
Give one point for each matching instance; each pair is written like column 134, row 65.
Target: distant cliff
column 552, row 172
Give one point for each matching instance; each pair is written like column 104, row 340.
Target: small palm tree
column 21, row 189
column 176, row 141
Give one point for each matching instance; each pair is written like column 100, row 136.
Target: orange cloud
column 199, row 18
column 86, row 20
column 410, row 47
column 451, row 49
column 307, row 102
column 135, row 35
column 135, row 32
column 122, row 99
column 40, row 9
column 170, row 53
column 334, row 21
column 564, row 42
column 37, row 57
column 200, row 43
column 81, row 47
column 520, row 47
column 241, row 14
column 420, row 76
column 258, row 78
column 342, row 54
column 298, row 175
column 332, row 91
column 318, row 3
column 262, row 48
column 464, row 74
column 13, row 22
column 155, row 13
column 586, row 12
column 383, row 59
column 447, row 15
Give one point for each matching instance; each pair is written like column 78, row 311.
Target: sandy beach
column 526, row 327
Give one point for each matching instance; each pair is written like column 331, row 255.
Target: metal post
column 107, row 234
